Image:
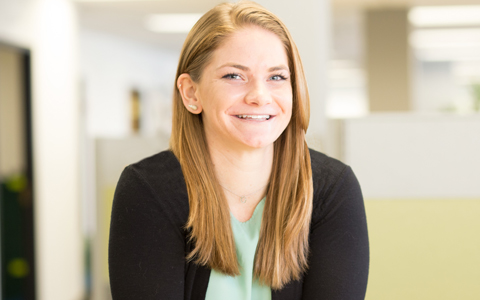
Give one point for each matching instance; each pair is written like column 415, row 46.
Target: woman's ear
column 187, row 89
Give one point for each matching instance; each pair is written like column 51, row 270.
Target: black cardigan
column 148, row 243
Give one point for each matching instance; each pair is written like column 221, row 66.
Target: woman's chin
column 258, row 143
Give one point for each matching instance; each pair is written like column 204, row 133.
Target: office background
column 85, row 89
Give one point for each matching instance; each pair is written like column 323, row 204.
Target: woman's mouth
column 254, row 117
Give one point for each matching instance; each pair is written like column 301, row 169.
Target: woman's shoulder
column 159, row 178
column 332, row 180
column 325, row 169
column 162, row 165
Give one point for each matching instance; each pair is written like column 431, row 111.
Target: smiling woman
column 244, row 93
column 239, row 207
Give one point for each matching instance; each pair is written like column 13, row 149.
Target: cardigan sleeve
column 147, row 243
column 339, row 249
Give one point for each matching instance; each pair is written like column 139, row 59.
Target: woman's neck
column 243, row 172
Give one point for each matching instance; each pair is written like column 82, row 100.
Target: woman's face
column 245, row 92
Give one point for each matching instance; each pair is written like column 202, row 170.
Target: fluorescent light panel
column 117, row 0
column 445, row 38
column 446, row 55
column 171, row 23
column 443, row 16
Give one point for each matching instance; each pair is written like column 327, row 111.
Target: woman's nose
column 258, row 93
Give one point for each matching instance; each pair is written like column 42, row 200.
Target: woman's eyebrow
column 244, row 68
column 234, row 65
column 278, row 68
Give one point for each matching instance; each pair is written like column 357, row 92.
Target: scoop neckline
column 253, row 215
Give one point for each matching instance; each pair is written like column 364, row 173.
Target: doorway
column 17, row 240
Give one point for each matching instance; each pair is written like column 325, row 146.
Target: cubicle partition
column 110, row 157
column 420, row 176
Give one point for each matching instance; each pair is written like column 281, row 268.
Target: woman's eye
column 278, row 77
column 232, row 76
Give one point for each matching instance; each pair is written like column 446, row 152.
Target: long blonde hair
column 282, row 249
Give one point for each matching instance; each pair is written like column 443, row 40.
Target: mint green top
column 242, row 287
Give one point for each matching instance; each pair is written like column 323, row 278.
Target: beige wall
column 388, row 59
column 12, row 143
column 424, row 249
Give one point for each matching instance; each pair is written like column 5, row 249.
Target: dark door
column 16, row 176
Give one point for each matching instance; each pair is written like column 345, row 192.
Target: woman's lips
column 255, row 117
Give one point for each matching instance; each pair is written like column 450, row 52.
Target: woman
column 239, row 208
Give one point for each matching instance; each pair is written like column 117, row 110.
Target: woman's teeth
column 254, row 117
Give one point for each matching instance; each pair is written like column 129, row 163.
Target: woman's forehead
column 249, row 47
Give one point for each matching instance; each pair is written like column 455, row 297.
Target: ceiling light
column 117, row 0
column 443, row 16
column 445, row 38
column 448, row 55
column 171, row 23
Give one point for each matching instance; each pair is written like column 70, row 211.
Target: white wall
column 16, row 21
column 415, row 156
column 48, row 29
column 56, row 148
column 110, row 67
column 309, row 23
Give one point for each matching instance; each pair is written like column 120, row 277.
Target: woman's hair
column 282, row 249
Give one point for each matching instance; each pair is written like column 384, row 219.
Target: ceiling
column 399, row 3
column 126, row 17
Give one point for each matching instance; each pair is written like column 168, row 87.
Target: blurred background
column 86, row 86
